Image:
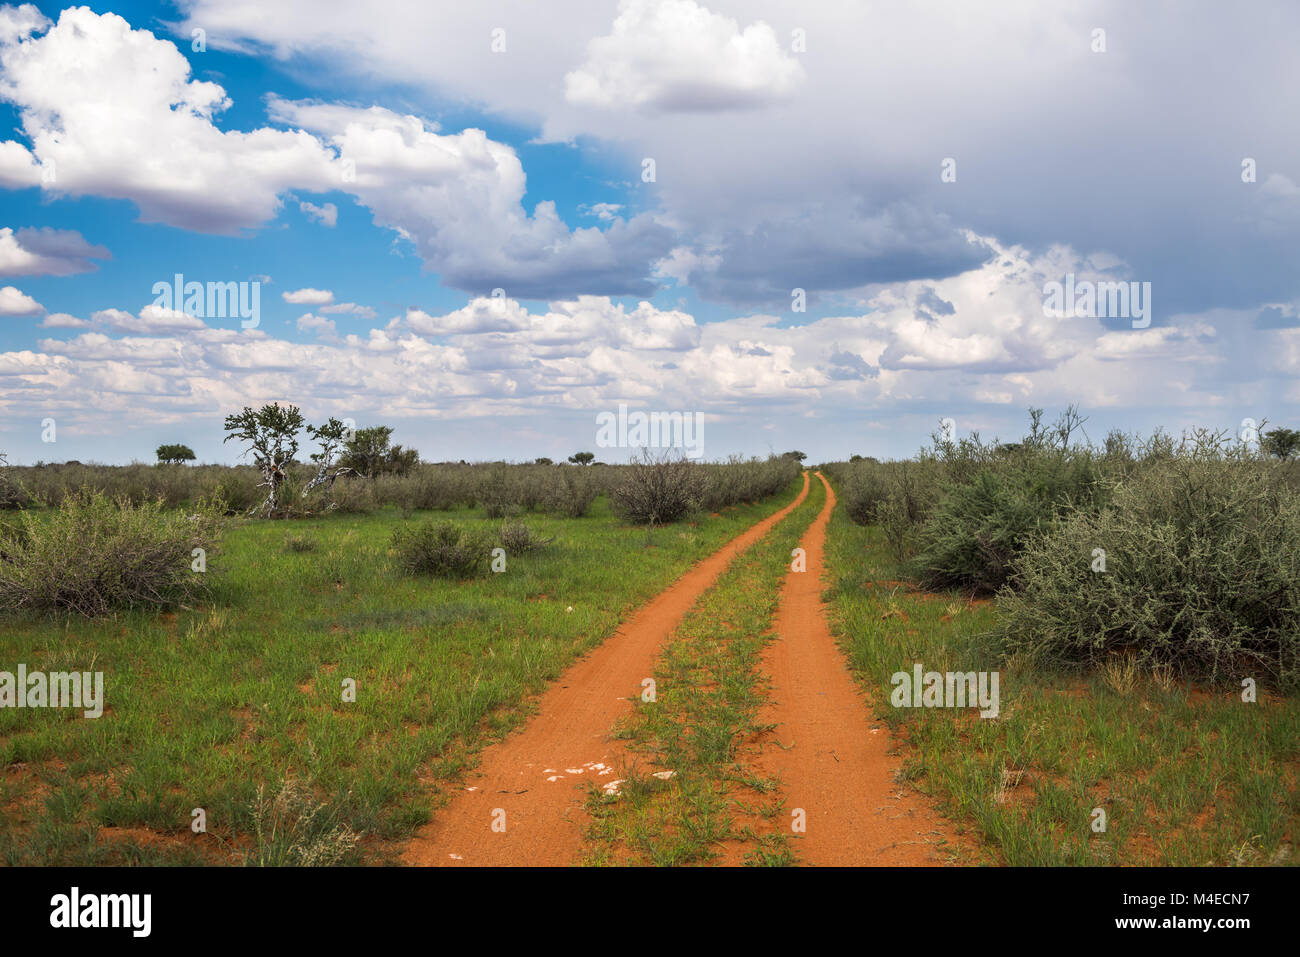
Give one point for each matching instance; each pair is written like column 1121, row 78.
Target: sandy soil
column 524, row 806
column 831, row 756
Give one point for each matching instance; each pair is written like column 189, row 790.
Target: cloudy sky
column 823, row 225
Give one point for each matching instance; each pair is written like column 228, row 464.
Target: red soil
column 833, row 758
column 534, row 781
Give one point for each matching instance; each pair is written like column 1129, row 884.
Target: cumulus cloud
column 62, row 320
column 308, row 296
column 459, row 198
column 46, row 252
column 151, row 320
column 324, row 329
column 891, row 90
column 16, row 303
column 94, row 97
column 993, row 349
column 678, row 56
column 568, row 329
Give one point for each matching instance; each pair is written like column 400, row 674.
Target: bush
column 500, row 492
column 658, row 492
column 1202, row 573
column 92, row 555
column 977, row 531
column 442, row 549
column 351, row 496
column 745, row 480
column 12, row 492
column 571, row 492
column 865, row 489
column 517, row 538
column 995, row 497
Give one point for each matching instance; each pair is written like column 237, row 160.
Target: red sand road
column 537, row 775
column 832, row 758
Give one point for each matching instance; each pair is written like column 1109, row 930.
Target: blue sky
column 380, row 170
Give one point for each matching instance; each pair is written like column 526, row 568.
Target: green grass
column 709, row 690
column 1185, row 776
column 206, row 706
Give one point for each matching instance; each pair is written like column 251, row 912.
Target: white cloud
column 459, row 198
column 324, row 329
column 308, row 296
column 349, row 308
column 570, row 328
column 605, row 212
column 493, row 357
column 96, row 96
column 326, row 214
column 62, row 320
column 46, row 252
column 16, row 303
column 151, row 320
column 675, row 55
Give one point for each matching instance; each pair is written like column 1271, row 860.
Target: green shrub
column 974, row 536
column 350, row 496
column 899, row 496
column 1202, row 573
column 745, row 480
column 91, row 555
column 865, row 488
column 995, row 498
column 12, row 492
column 517, row 538
column 442, row 549
column 572, row 490
column 500, row 492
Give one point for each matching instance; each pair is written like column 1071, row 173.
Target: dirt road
column 831, row 756
column 524, row 806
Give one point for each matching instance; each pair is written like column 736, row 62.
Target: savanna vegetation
column 310, row 648
column 1141, row 601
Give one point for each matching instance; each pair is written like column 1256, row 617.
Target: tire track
column 524, row 806
column 831, row 756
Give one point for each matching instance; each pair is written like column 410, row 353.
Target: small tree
column 796, row 455
column 368, row 453
column 367, row 449
column 543, row 461
column 174, row 454
column 272, row 436
column 1280, row 443
column 582, row 458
